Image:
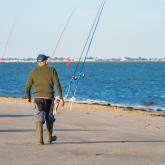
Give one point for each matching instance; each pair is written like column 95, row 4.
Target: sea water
column 130, row 84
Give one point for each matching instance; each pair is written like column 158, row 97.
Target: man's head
column 42, row 60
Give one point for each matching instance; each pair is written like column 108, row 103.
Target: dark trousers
column 43, row 110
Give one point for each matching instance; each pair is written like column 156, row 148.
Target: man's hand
column 29, row 100
column 61, row 103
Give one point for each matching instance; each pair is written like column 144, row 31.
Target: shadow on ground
column 108, row 142
column 33, row 130
column 13, row 116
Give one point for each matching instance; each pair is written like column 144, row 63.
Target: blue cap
column 42, row 57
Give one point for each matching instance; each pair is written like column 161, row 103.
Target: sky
column 128, row 28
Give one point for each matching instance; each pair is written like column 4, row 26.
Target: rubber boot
column 39, row 129
column 49, row 130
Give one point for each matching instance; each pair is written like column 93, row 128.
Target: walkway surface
column 84, row 138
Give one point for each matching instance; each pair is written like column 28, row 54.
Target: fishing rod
column 94, row 22
column 82, row 68
column 89, row 35
column 65, row 26
column 8, row 39
column 92, row 37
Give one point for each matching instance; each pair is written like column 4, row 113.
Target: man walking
column 44, row 79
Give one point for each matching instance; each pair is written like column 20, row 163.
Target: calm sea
column 133, row 84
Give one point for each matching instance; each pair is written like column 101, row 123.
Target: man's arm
column 58, row 86
column 57, row 83
column 29, row 84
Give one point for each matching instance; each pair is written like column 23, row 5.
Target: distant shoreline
column 61, row 60
column 86, row 61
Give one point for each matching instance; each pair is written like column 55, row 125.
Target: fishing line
column 8, row 39
column 61, row 35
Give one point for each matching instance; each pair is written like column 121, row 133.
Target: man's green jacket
column 44, row 79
